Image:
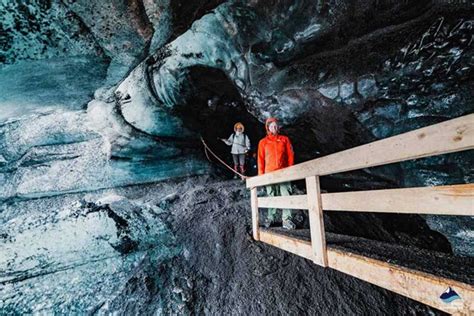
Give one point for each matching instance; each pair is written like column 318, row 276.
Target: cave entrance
column 214, row 105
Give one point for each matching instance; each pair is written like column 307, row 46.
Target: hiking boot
column 267, row 223
column 288, row 224
column 236, row 169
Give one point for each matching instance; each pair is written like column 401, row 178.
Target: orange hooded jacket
column 274, row 151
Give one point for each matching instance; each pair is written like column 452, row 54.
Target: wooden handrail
column 293, row 202
column 442, row 138
column 439, row 200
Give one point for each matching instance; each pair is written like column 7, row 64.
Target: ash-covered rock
column 232, row 274
column 192, row 253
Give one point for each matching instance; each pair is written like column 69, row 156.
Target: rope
column 206, row 149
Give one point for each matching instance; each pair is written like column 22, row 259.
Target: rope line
column 206, row 149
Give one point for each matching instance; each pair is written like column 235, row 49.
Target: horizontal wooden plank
column 422, row 287
column 419, row 286
column 446, row 137
column 440, row 200
column 296, row 246
column 295, row 202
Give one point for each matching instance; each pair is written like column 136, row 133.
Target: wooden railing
column 446, row 137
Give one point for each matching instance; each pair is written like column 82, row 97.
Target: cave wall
column 39, row 29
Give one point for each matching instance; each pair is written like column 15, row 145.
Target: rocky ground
column 178, row 247
column 233, row 274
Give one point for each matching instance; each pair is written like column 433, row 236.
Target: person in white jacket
column 240, row 146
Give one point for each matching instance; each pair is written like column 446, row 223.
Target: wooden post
column 254, row 204
column 316, row 220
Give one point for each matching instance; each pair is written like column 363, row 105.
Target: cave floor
column 215, row 268
column 436, row 263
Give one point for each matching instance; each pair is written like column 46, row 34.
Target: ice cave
column 118, row 195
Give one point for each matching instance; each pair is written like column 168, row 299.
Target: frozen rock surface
column 78, row 255
column 40, row 86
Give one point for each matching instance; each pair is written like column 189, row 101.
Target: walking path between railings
column 454, row 200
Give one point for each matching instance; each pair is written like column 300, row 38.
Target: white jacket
column 240, row 143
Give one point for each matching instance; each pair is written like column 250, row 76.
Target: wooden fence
column 446, row 137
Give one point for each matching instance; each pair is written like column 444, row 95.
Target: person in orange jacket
column 276, row 152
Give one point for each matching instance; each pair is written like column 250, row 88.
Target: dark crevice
column 214, row 105
column 186, row 12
